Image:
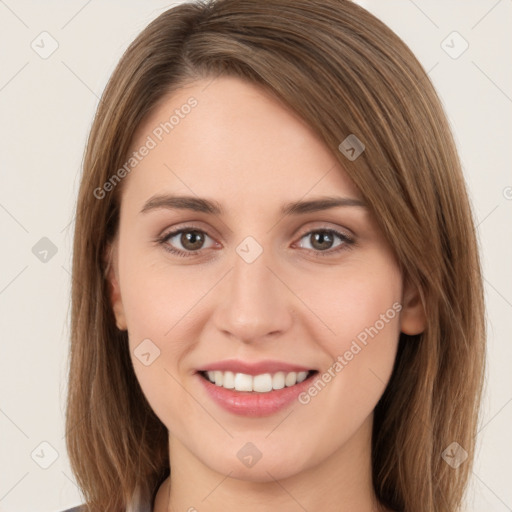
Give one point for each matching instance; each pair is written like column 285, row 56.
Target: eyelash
column 348, row 242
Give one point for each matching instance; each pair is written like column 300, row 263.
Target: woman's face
column 251, row 284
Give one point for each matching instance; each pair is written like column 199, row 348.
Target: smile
column 262, row 383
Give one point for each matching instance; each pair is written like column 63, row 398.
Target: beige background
column 47, row 105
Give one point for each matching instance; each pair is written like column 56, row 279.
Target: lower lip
column 252, row 403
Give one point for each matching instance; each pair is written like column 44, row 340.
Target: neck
column 342, row 482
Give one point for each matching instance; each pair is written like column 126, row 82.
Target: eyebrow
column 197, row 204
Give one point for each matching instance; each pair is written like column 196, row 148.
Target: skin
column 243, row 148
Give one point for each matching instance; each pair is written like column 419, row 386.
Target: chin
column 251, row 465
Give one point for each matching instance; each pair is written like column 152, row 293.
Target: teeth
column 301, row 376
column 260, row 383
column 278, row 380
column 228, row 380
column 290, row 379
column 242, row 382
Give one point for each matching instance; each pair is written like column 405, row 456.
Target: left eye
column 323, row 239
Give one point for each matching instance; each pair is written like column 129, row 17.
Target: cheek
column 157, row 298
column 363, row 314
column 163, row 304
column 156, row 303
column 363, row 311
column 364, row 304
column 157, row 306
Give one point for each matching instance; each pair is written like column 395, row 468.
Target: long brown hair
column 344, row 72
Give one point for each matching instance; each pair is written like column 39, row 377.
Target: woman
column 222, row 356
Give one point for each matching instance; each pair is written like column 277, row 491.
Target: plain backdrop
column 47, row 105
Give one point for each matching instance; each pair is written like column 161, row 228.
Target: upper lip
column 253, row 368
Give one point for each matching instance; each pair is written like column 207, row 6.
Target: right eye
column 190, row 238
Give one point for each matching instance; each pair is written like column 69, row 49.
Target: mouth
column 262, row 383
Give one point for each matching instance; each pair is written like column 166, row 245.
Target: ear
column 114, row 291
column 412, row 318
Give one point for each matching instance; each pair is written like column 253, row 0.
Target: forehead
column 233, row 139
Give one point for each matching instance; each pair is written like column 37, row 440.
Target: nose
column 254, row 303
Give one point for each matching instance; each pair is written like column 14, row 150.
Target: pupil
column 191, row 237
column 322, row 236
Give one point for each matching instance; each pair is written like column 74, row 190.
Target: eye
column 323, row 240
column 190, row 238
